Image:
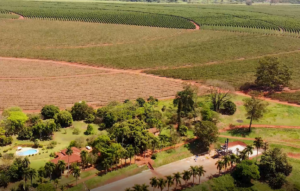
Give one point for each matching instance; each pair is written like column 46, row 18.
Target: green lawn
column 277, row 114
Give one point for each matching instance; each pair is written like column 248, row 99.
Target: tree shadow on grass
column 196, row 147
column 243, row 132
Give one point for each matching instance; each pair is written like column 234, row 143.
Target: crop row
column 110, row 16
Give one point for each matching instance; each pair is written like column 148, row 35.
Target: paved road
column 179, row 166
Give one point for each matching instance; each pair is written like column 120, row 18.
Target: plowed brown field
column 31, row 84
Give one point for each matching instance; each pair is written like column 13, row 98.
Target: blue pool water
column 28, row 152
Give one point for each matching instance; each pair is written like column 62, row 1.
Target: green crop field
column 235, row 73
column 173, row 16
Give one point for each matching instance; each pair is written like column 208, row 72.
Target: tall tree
column 161, row 183
column 170, row 181
column 226, row 161
column 76, row 173
column 153, row 182
column 258, row 143
column 177, row 178
column 69, row 152
column 49, row 168
column 186, row 175
column 193, row 171
column 255, row 108
column 249, row 150
column 220, row 165
column 26, row 162
column 26, row 174
column 84, row 158
column 207, row 132
column 220, row 93
column 233, row 159
column 32, row 174
column 185, row 101
column 61, row 165
column 270, row 76
column 200, row 172
column 265, row 146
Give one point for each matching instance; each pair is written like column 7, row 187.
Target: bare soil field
column 31, row 84
column 29, row 69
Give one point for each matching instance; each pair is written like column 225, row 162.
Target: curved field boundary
column 137, row 72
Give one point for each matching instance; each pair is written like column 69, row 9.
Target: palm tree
column 226, row 161
column 200, row 172
column 61, row 165
column 49, row 168
column 266, row 146
column 26, row 174
column 193, row 171
column 153, row 182
column 137, row 187
column 249, row 150
column 186, row 175
column 220, row 165
column 184, row 100
column 56, row 182
column 258, row 143
column 161, row 183
column 128, row 189
column 144, row 187
column 26, row 162
column 170, row 181
column 69, row 152
column 233, row 159
column 84, row 157
column 176, row 178
column 76, row 173
column 32, row 174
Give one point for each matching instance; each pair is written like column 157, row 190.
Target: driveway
column 169, row 169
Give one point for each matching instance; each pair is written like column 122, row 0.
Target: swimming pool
column 27, row 152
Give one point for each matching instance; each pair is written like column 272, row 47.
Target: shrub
column 140, row 101
column 89, row 130
column 278, row 181
column 52, row 145
column 229, row 108
column 52, row 155
column 79, row 142
column 163, row 109
column 81, row 111
column 90, row 118
column 9, row 156
column 245, row 172
column 182, row 130
column 49, row 111
column 76, row 131
column 64, row 118
column 154, row 156
column 152, row 101
column 206, row 114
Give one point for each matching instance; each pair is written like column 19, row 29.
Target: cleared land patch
column 96, row 89
column 35, row 69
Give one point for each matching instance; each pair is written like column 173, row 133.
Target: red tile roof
column 75, row 157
